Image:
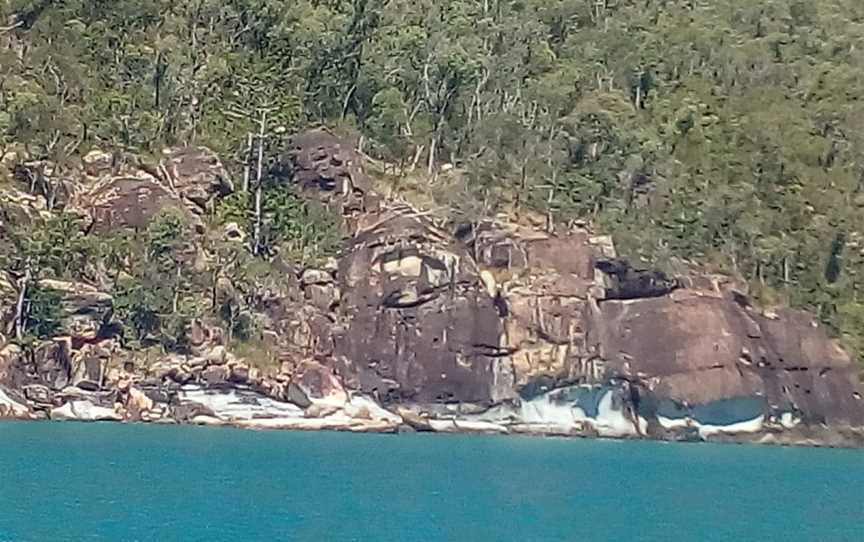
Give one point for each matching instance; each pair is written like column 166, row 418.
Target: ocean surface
column 126, row 483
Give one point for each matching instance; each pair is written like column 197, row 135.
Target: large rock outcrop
column 422, row 325
column 323, row 167
column 185, row 180
column 419, row 326
column 705, row 360
column 115, row 190
column 535, row 323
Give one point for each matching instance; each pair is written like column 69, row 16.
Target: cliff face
column 429, row 326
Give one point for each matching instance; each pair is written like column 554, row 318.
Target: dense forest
column 724, row 133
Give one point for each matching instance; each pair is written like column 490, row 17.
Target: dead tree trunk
column 20, row 316
column 247, row 162
column 259, row 188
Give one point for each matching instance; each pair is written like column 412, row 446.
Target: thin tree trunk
column 433, row 142
column 214, row 280
column 247, row 162
column 175, row 302
column 417, row 154
column 23, row 284
column 258, row 185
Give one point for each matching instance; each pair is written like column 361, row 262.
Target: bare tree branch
column 4, row 29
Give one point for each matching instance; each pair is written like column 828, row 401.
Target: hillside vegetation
column 722, row 132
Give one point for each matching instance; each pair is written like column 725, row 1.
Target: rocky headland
column 420, row 324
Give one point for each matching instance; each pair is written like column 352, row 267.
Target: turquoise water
column 77, row 482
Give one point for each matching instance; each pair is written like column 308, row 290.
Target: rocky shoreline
column 245, row 407
column 288, row 417
column 421, row 325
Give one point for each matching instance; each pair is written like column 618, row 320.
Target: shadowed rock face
column 329, row 170
column 420, row 327
column 84, row 309
column 49, row 365
column 625, row 282
column 696, row 350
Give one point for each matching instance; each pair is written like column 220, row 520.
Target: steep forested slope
column 725, row 132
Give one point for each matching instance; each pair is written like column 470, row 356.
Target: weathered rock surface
column 422, row 326
column 114, row 190
column 550, row 329
column 418, row 325
column 10, row 408
column 195, row 174
column 329, row 170
column 84, row 411
column 130, row 202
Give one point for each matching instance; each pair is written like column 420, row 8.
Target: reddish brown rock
column 130, row 202
column 196, row 175
column 186, row 180
column 419, row 323
column 497, row 327
column 696, row 349
column 329, row 170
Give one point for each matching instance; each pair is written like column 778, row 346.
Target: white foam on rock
column 246, row 408
column 674, row 423
column 549, row 415
column 543, row 411
column 341, row 423
column 788, row 420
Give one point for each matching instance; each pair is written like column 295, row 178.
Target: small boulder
column 239, row 373
column 320, row 410
column 233, row 232
column 316, row 276
column 188, row 411
column 215, row 375
column 217, row 355
column 197, row 175
column 295, row 394
column 98, row 163
column 414, row 419
column 138, row 404
column 39, row 394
